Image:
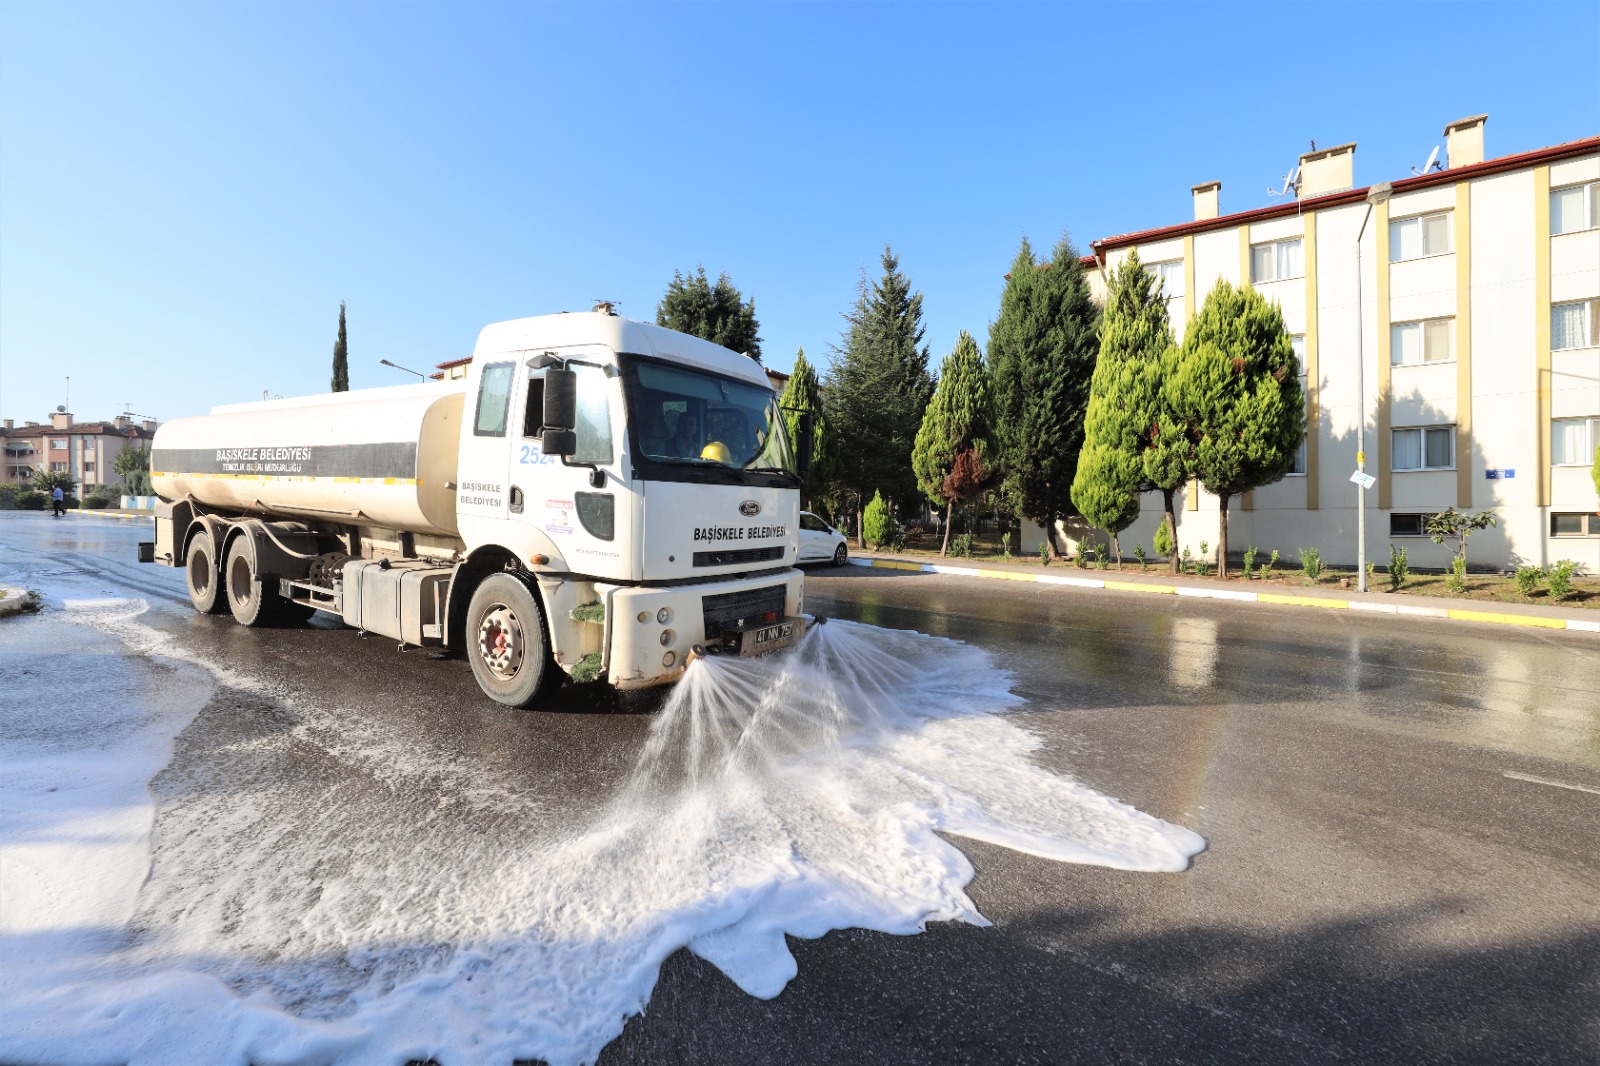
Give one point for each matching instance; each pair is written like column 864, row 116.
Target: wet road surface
column 1402, row 864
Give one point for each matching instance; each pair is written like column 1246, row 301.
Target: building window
column 1575, row 325
column 1573, row 441
column 1574, row 208
column 1277, row 261
column 1408, row 525
column 1574, row 525
column 1297, row 341
column 1419, row 237
column 58, row 445
column 59, row 468
column 88, row 468
column 1425, row 448
column 1411, row 343
column 1169, row 277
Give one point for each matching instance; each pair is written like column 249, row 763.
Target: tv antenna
column 1291, row 180
column 1432, row 163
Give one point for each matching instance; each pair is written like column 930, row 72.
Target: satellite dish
column 1291, row 180
column 1432, row 163
column 61, row 408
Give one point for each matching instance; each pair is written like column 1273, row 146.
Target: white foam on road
column 774, row 798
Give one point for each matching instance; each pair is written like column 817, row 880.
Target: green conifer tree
column 341, row 357
column 877, row 387
column 1123, row 401
column 1238, row 390
column 1042, row 351
column 802, row 394
column 1168, row 458
column 717, row 312
column 953, row 439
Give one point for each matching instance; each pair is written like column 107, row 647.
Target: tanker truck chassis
column 532, row 516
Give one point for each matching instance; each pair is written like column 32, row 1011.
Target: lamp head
column 1380, row 192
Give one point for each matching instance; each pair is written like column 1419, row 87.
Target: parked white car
column 820, row 542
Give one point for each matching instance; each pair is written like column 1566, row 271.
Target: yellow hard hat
column 717, row 452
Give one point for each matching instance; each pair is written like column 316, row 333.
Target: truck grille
column 738, row 555
column 732, row 611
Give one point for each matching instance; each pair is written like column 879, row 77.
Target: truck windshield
column 686, row 420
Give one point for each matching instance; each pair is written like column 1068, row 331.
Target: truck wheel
column 247, row 600
column 203, row 576
column 506, row 643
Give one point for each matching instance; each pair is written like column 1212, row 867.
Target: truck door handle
column 516, row 500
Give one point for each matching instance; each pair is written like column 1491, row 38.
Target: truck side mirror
column 560, row 413
column 804, row 445
column 560, row 399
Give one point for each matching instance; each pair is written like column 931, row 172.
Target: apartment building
column 86, row 450
column 1475, row 289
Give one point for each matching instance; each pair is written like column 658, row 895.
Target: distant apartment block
column 1480, row 316
column 86, row 450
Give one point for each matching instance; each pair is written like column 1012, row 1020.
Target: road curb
column 1457, row 614
column 110, row 514
column 12, row 601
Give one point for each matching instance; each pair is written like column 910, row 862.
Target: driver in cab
column 686, row 441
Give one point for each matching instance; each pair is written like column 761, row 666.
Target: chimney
column 149, row 425
column 1207, row 200
column 1327, row 170
column 122, row 421
column 8, row 424
column 60, row 419
column 1463, row 141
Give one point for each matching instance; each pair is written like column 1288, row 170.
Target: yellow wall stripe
column 1463, row 352
column 1541, row 334
column 1312, row 356
column 1385, row 477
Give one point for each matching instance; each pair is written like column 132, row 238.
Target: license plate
column 769, row 638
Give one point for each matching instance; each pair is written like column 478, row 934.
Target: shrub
column 1311, row 563
column 1528, row 578
column 8, row 495
column 877, row 523
column 1372, row 570
column 1081, row 560
column 1163, row 540
column 1560, row 576
column 1398, row 570
column 1044, row 553
column 1102, row 557
column 1249, row 561
column 1266, row 571
column 1202, row 564
column 1138, row 553
column 961, row 546
column 1005, row 544
column 1456, row 580
column 97, row 503
column 1187, row 563
column 31, row 501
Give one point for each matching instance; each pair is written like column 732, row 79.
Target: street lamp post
column 1375, row 195
column 407, row 369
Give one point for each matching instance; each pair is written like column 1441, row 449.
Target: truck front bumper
column 652, row 629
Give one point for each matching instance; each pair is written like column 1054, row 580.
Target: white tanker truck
column 598, row 495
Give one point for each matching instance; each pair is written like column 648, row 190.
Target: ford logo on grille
column 749, row 508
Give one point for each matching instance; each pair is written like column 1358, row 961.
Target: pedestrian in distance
column 58, row 498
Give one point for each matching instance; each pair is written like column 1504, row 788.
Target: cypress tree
column 1238, row 389
column 1123, row 401
column 1169, row 451
column 877, row 387
column 803, row 395
column 716, row 312
column 341, row 357
column 949, row 454
column 1042, row 349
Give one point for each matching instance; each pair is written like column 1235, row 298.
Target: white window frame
column 1422, row 522
column 1279, row 249
column 1421, row 221
column 1591, row 437
column 1590, row 329
column 1164, row 269
column 1589, row 194
column 1422, row 448
column 1396, row 345
column 1590, row 524
column 1297, row 341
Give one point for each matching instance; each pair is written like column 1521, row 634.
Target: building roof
column 77, row 429
column 1351, row 196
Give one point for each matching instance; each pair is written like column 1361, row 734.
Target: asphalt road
column 1403, row 858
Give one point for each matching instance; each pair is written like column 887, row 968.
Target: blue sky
column 188, row 191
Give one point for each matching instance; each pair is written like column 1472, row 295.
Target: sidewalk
column 1164, row 584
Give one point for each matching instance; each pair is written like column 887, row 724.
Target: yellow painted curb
column 1303, row 601
column 1508, row 619
column 1134, row 586
column 887, row 564
column 1008, row 575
